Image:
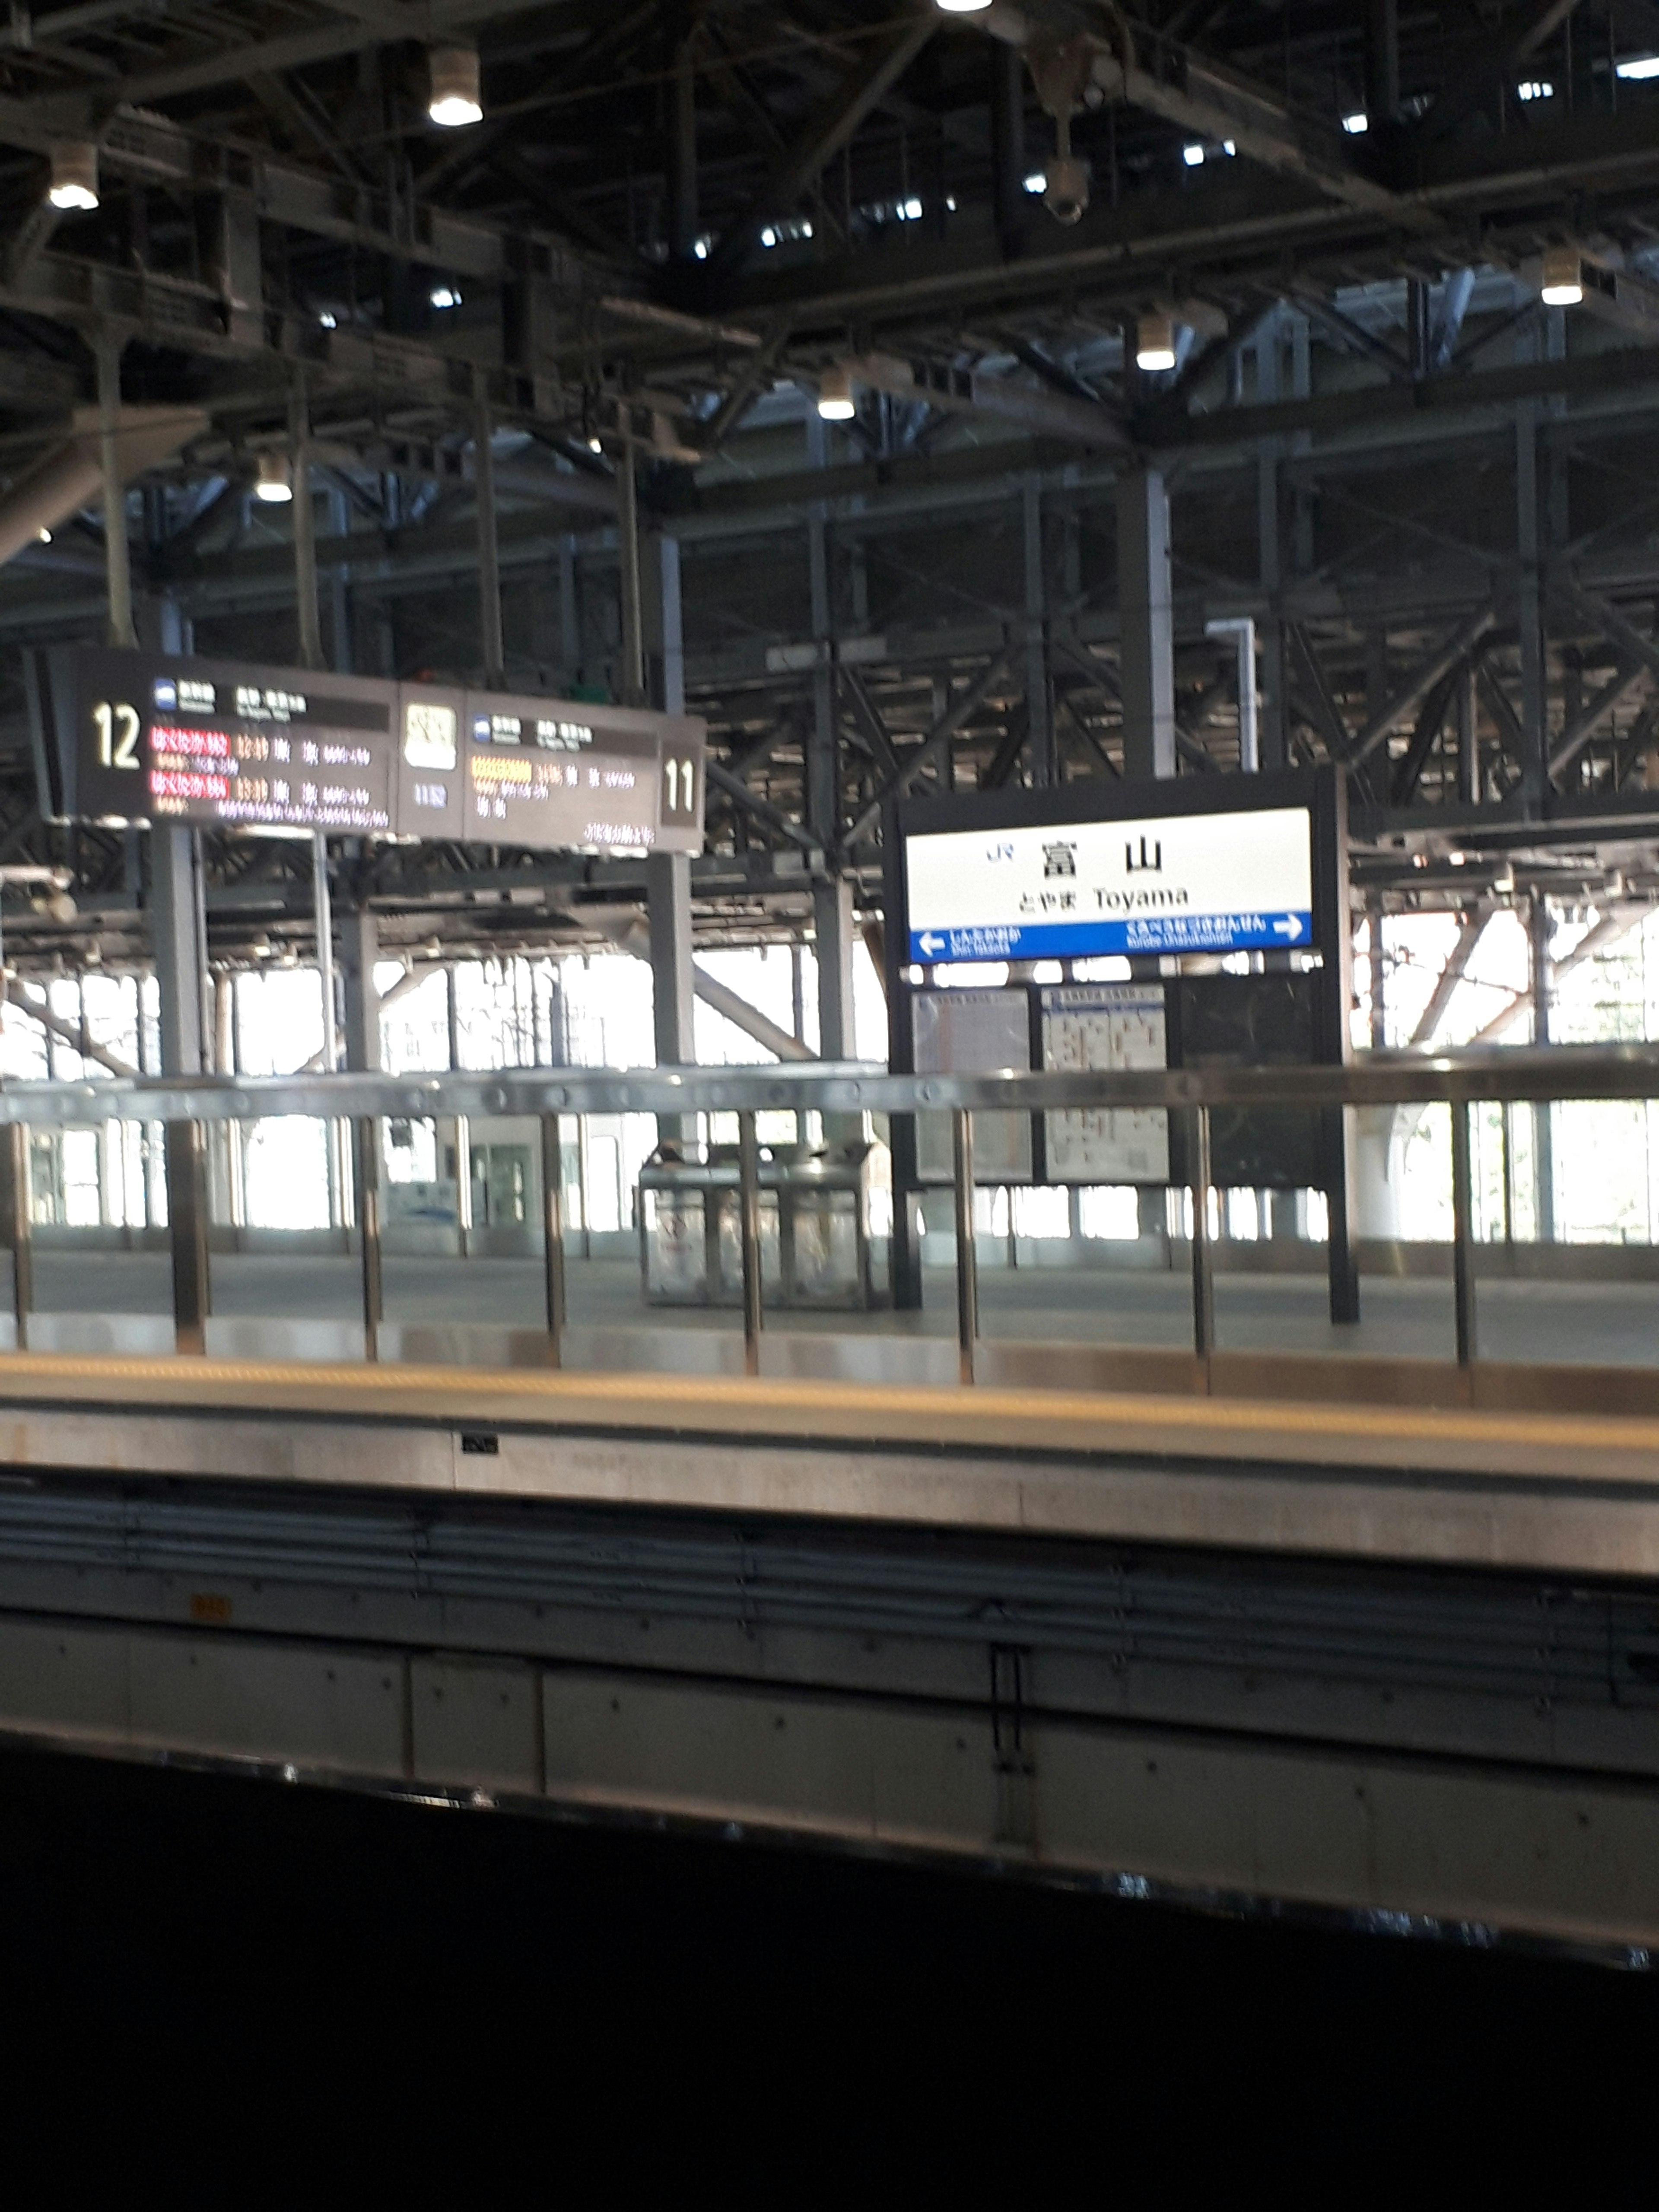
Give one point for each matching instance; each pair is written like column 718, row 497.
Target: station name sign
column 1229, row 882
column 125, row 738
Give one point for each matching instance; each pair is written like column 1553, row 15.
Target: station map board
column 125, row 738
column 1107, row 1026
column 1191, row 882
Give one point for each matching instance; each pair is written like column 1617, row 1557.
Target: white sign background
column 1173, row 882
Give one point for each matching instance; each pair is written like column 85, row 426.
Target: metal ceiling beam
column 1491, row 58
column 964, row 392
column 937, row 740
column 826, row 130
column 1419, row 685
column 1579, row 732
column 1471, row 929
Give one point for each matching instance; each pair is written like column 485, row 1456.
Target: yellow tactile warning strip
column 1023, row 1420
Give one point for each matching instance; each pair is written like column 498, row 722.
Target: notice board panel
column 1105, row 1025
column 974, row 1033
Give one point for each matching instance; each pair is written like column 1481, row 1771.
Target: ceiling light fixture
column 1155, row 344
column 74, row 186
column 1638, row 69
column 456, row 98
column 962, row 7
column 1563, row 277
column 1358, row 124
column 273, row 481
column 836, row 402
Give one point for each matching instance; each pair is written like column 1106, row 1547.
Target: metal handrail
column 1489, row 1073
column 186, row 1104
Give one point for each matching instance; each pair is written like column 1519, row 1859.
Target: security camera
column 1065, row 188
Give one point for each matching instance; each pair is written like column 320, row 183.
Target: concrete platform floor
column 1592, row 1323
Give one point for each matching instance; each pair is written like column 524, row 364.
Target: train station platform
column 1395, row 1663
column 1040, row 1323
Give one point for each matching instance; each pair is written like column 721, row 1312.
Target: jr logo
column 999, row 851
column 1151, row 858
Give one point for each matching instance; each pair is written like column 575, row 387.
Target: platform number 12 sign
column 118, row 730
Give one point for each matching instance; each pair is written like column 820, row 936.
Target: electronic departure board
column 125, row 738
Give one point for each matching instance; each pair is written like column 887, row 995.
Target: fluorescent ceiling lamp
column 1562, row 283
column 445, row 295
column 274, row 480
column 74, row 186
column 455, row 96
column 1037, row 181
column 1638, row 69
column 1358, row 124
column 1192, row 156
column 1155, row 344
column 962, row 7
column 836, row 403
column 1536, row 88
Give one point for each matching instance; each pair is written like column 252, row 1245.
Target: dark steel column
column 20, row 1226
column 1203, row 1270
column 553, row 1237
column 1146, row 624
column 962, row 1130
column 368, row 1231
column 749, row 1235
column 187, row 1232
column 1462, row 1236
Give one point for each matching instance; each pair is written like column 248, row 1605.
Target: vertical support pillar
column 627, row 558
column 750, row 1240
column 1534, row 731
column 1270, row 570
column 1008, row 139
column 1039, row 706
column 823, row 794
column 187, row 1227
column 1462, row 1236
column 117, row 558
column 178, row 943
column 360, row 947
column 832, row 923
column 1145, row 623
column 1382, row 62
column 1543, row 1112
column 553, row 1237
column 668, row 905
column 19, row 1225
column 570, row 631
column 304, row 515
column 1203, row 1265
column 340, row 593
column 1468, row 737
column 683, row 220
column 662, row 623
column 961, row 1131
column 492, row 647
column 322, row 914
column 367, row 1164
